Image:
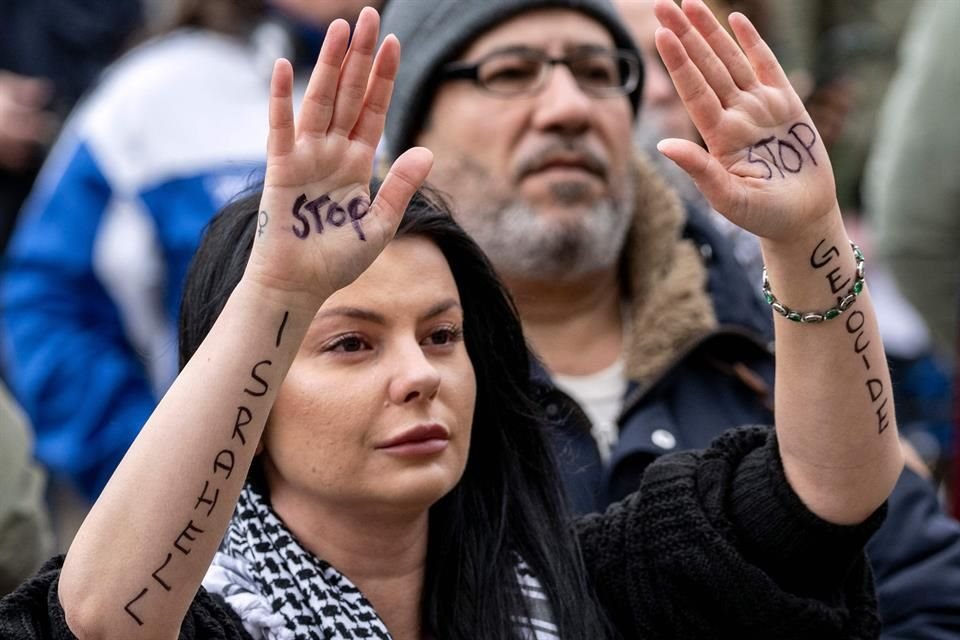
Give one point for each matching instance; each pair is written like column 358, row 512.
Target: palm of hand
column 765, row 167
column 317, row 228
column 316, row 244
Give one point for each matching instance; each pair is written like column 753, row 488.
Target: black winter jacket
column 712, row 545
column 722, row 380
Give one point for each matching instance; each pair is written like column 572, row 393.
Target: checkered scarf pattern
column 281, row 591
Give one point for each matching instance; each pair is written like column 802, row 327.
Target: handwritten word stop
column 324, row 210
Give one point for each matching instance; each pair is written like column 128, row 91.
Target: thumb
column 405, row 176
column 712, row 179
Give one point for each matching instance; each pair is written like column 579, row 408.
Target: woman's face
column 377, row 408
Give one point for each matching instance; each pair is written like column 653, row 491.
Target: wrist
column 815, row 273
column 278, row 293
column 828, row 225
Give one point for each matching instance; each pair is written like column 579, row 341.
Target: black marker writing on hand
column 783, row 153
column 326, row 212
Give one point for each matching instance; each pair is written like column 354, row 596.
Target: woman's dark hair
column 509, row 503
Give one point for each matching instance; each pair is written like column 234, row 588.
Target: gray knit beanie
column 434, row 32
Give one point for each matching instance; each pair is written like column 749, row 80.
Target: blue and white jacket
column 93, row 275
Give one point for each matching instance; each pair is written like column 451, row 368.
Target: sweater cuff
column 798, row 548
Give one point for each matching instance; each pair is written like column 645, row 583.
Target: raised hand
column 765, row 167
column 317, row 229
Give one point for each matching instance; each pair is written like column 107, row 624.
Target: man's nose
column 562, row 104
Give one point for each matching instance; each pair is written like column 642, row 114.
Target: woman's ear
column 259, row 448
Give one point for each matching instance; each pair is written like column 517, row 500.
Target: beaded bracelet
column 813, row 317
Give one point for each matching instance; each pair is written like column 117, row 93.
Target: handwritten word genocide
column 856, row 326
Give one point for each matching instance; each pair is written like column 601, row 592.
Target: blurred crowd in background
column 125, row 126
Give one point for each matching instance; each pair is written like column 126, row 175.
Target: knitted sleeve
column 717, row 544
column 33, row 612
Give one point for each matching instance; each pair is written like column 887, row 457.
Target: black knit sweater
column 714, row 545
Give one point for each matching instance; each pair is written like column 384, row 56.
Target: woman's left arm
column 766, row 169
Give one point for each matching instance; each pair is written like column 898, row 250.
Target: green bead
column 858, row 254
column 769, row 297
column 858, row 287
column 794, row 317
column 831, row 314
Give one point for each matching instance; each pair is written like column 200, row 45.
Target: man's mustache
column 571, row 153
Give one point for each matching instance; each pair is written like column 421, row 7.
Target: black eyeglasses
column 521, row 71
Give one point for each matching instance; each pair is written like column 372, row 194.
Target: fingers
column 351, row 85
column 355, row 72
column 321, row 92
column 712, row 179
column 404, row 178
column 698, row 97
column 722, row 43
column 369, row 127
column 281, row 138
column 761, row 58
column 713, row 69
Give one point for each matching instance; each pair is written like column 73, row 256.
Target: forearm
column 139, row 558
column 834, row 407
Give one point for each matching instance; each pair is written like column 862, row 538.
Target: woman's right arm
column 137, row 562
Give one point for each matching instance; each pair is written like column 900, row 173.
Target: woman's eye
column 348, row 344
column 444, row 336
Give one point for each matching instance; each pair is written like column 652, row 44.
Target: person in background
column 912, row 184
column 651, row 342
column 26, row 539
column 351, row 449
column 95, row 269
column 911, row 187
column 51, row 51
column 662, row 115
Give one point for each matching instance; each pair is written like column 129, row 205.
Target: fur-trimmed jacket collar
column 665, row 280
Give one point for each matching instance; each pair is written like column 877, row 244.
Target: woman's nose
column 416, row 378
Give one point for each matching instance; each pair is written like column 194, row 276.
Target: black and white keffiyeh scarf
column 281, row 591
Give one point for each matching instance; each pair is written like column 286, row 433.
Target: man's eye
column 598, row 73
column 509, row 74
column 512, row 73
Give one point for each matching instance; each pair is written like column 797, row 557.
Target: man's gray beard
column 524, row 243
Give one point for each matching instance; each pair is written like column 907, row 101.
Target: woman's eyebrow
column 441, row 307
column 353, row 312
column 378, row 318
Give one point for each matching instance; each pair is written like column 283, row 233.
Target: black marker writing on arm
column 822, row 258
column 206, row 503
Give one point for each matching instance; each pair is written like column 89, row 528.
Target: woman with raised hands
column 351, row 449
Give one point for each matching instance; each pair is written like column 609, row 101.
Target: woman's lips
column 421, row 440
